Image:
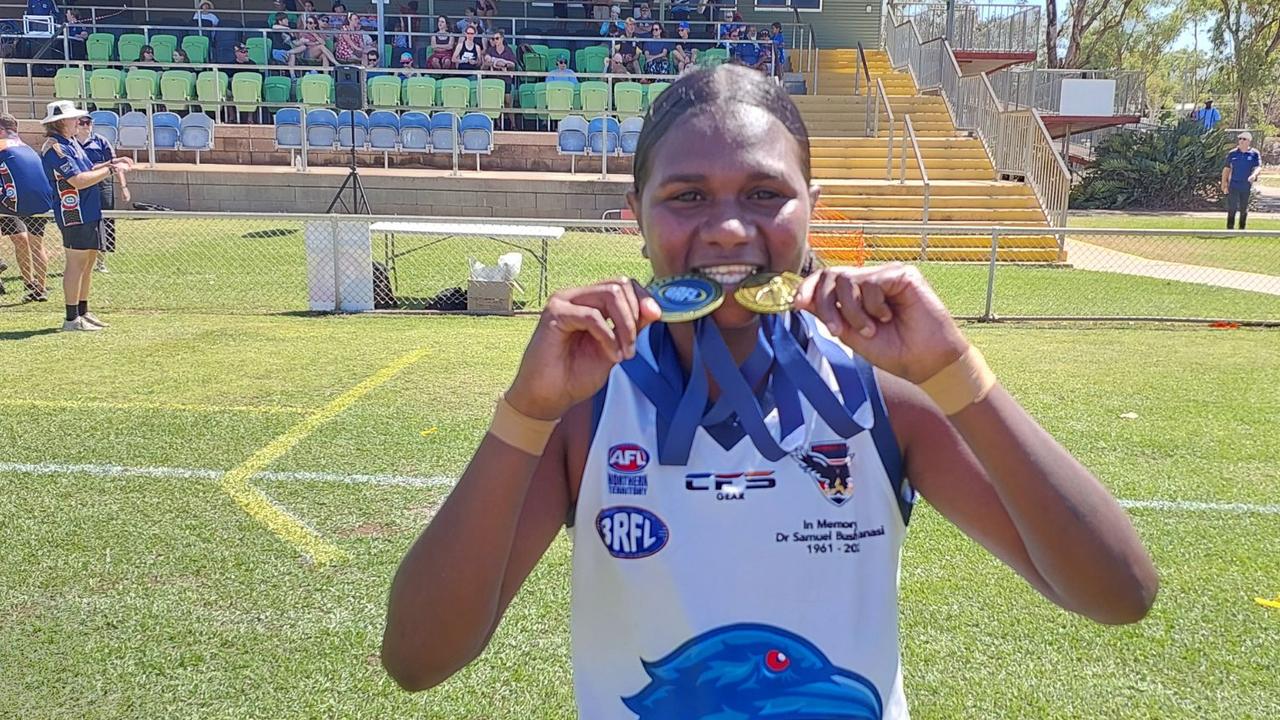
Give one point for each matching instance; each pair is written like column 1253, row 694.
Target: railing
column 994, row 27
column 872, row 124
column 909, row 129
column 1041, row 88
column 864, row 76
column 1015, row 139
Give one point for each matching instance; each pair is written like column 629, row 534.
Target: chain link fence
column 255, row 264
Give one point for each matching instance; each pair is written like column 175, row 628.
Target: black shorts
column 82, row 237
column 15, row 224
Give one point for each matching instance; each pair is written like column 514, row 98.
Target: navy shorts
column 15, row 224
column 82, row 237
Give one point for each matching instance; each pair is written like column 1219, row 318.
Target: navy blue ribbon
column 778, row 366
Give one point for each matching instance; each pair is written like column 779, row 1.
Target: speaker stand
column 359, row 201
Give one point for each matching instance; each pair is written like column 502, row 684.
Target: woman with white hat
column 78, row 208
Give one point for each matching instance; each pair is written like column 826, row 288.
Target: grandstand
column 913, row 132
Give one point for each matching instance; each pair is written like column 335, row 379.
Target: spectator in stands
column 628, row 51
column 562, row 73
column 25, row 195
column 315, row 52
column 442, row 46
column 204, row 15
column 351, row 44
column 372, row 64
column 1208, row 115
column 486, row 8
column 278, row 7
column 644, row 20
column 400, row 41
column 731, row 40
column 286, row 47
column 683, row 53
column 779, row 48
column 468, row 54
column 77, row 33
column 147, row 55
column 1239, row 173
column 242, row 55
column 100, row 153
column 655, row 52
column 308, row 7
column 78, row 209
column 612, row 22
column 470, row 19
column 338, row 16
column 499, row 56
column 180, row 58
column 406, row 66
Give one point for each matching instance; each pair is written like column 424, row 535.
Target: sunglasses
column 86, row 121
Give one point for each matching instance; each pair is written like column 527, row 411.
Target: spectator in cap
column 562, row 72
column 205, row 15
column 406, row 66
column 683, row 53
column 1240, row 171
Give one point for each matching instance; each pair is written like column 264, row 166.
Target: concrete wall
column 280, row 190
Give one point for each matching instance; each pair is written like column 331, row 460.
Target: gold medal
column 768, row 293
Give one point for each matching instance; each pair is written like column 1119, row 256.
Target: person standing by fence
column 78, row 210
column 1240, row 171
column 101, row 153
column 26, row 194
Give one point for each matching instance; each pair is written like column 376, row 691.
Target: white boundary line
column 439, row 481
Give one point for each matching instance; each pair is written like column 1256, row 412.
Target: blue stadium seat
column 384, row 133
column 476, row 134
column 322, row 128
column 571, row 139
column 415, row 131
column 629, row 135
column 107, row 124
column 133, row 131
column 603, row 136
column 196, row 133
column 288, row 125
column 350, row 133
column 442, row 131
column 165, row 129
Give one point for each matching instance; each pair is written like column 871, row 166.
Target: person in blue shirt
column 779, row 48
column 100, row 152
column 74, row 179
column 1241, row 169
column 25, row 194
column 1208, row 115
column 562, row 73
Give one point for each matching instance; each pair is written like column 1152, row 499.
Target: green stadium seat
column 540, row 100
column 277, row 90
column 455, row 93
column 164, row 45
column 246, row 90
column 316, row 90
column 652, row 91
column 106, row 87
column 534, row 62
column 68, row 84
column 559, row 99
column 98, row 47
column 211, row 86
column 628, row 99
column 197, row 48
column 525, row 99
column 384, row 91
column 141, row 86
column 491, row 97
column 420, row 92
column 129, row 47
column 177, row 88
column 595, row 97
column 259, row 50
column 713, row 57
column 590, row 59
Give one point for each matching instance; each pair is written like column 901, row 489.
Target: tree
column 1249, row 32
column 1097, row 31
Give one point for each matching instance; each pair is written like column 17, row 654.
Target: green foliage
column 1175, row 166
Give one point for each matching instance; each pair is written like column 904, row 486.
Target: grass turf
column 1250, row 254
column 156, row 597
column 256, row 266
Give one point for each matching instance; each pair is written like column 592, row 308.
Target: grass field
column 1250, row 254
column 134, row 587
column 254, row 266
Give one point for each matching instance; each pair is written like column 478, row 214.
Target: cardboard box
column 489, row 298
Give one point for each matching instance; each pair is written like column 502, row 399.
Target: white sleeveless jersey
column 732, row 586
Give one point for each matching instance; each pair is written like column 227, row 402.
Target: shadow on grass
column 270, row 233
column 25, row 334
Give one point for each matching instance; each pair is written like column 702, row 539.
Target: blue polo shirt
column 98, row 149
column 25, row 187
column 1208, row 117
column 63, row 160
column 1242, row 164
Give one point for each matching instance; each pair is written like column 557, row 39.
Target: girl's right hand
column 582, row 334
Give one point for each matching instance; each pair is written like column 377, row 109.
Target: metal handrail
column 910, row 130
column 866, row 71
column 883, row 97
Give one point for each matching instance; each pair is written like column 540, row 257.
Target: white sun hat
column 61, row 110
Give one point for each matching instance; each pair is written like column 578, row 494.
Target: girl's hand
column 887, row 314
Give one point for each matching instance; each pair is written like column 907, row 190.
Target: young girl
column 441, row 46
column 708, row 579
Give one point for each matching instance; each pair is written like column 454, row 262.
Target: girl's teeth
column 729, row 274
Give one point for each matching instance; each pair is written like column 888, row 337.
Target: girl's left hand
column 126, row 195
column 887, row 314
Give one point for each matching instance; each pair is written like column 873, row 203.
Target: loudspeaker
column 348, row 87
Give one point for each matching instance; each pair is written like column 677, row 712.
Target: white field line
column 114, row 471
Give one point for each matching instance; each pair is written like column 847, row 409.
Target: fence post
column 302, row 114
column 337, row 274
column 151, row 135
column 453, row 128
column 989, row 313
column 4, row 89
